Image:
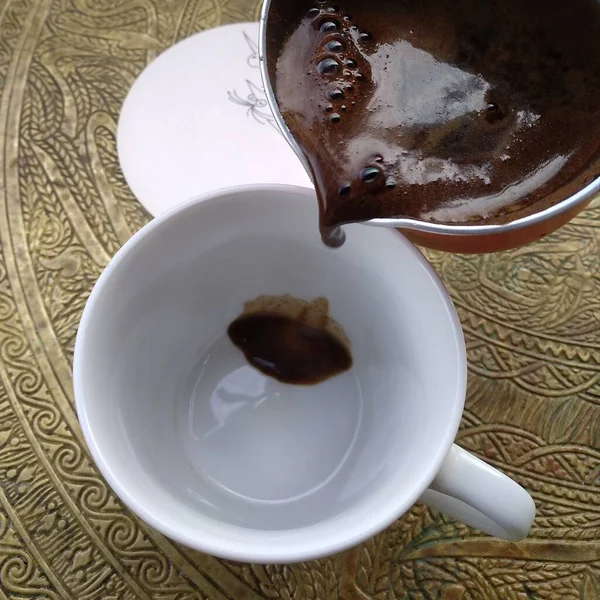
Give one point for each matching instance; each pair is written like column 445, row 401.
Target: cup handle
column 468, row 489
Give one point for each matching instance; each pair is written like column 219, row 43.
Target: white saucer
column 196, row 119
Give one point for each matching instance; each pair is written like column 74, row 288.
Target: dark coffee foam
column 451, row 111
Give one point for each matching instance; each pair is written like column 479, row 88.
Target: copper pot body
column 494, row 242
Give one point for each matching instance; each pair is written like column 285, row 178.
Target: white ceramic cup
column 223, row 459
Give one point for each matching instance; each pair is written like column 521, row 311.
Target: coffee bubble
column 369, row 174
column 328, row 26
column 335, row 94
column 328, row 66
column 334, row 46
column 344, row 190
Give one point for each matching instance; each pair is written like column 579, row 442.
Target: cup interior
column 219, row 457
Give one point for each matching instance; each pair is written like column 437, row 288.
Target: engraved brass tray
column 531, row 320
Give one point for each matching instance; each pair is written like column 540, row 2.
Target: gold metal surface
column 531, row 318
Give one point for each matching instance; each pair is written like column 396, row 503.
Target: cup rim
column 224, row 547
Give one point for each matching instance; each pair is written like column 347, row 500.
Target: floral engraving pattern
column 531, row 318
column 254, row 98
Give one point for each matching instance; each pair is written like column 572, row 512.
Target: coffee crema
column 291, row 340
column 448, row 111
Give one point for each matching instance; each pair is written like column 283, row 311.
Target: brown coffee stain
column 291, row 340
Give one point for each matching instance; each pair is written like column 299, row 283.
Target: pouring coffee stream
column 452, row 122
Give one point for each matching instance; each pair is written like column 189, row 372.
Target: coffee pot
column 449, row 238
